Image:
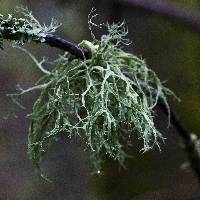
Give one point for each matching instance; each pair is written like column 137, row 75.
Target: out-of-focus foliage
column 187, row 4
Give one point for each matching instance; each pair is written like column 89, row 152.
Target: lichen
column 22, row 30
column 105, row 100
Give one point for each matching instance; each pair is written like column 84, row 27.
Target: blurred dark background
column 170, row 49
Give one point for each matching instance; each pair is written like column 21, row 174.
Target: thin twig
column 191, row 142
column 165, row 9
column 65, row 45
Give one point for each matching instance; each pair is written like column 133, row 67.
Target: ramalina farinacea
column 104, row 99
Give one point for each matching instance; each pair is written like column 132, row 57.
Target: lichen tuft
column 105, row 100
column 97, row 100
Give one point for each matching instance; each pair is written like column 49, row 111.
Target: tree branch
column 191, row 142
column 65, row 45
column 164, row 9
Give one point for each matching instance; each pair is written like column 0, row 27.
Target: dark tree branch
column 164, row 9
column 191, row 142
column 65, row 45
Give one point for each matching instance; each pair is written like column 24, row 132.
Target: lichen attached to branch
column 106, row 99
column 24, row 29
column 95, row 100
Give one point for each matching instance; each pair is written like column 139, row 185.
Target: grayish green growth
column 24, row 29
column 95, row 99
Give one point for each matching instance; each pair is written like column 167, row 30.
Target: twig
column 166, row 10
column 191, row 142
column 65, row 45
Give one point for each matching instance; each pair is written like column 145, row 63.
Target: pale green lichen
column 105, row 100
column 96, row 100
column 24, row 29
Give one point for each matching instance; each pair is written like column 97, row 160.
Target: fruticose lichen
column 105, row 100
column 24, row 29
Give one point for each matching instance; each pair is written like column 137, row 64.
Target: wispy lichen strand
column 97, row 100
